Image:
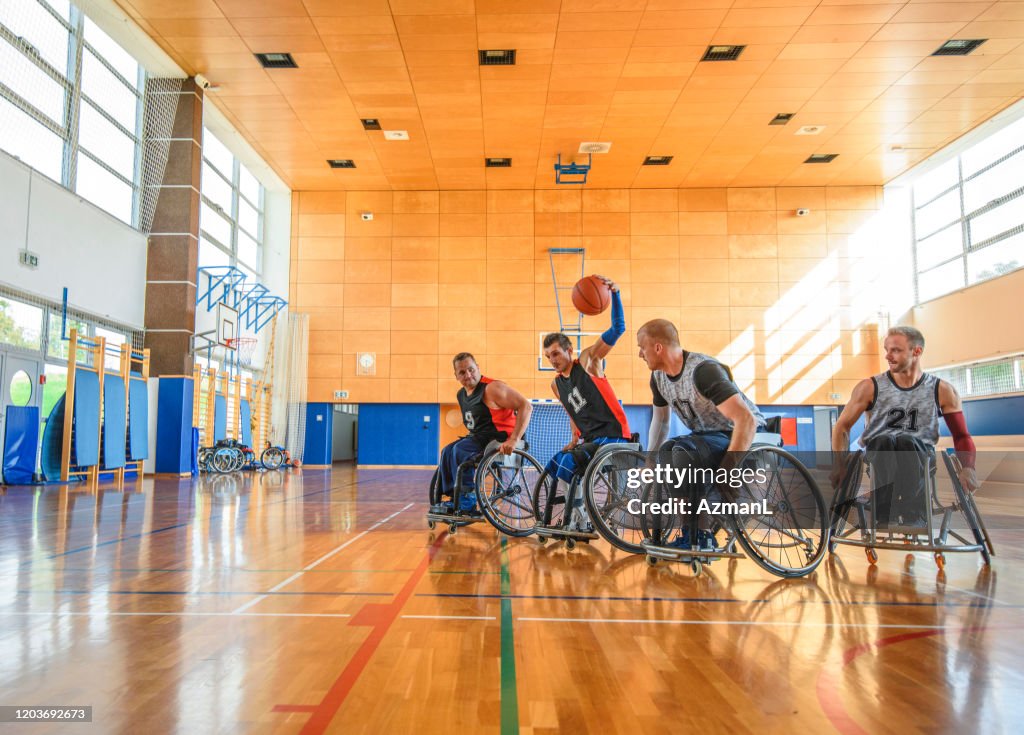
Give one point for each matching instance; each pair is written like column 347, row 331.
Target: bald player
column 491, row 411
column 701, row 392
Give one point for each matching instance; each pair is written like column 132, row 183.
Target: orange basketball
column 591, row 295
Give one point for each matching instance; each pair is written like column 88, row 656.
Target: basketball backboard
column 227, row 325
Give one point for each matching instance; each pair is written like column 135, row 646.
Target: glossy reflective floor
column 317, row 601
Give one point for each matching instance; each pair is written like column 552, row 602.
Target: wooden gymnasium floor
column 316, row 602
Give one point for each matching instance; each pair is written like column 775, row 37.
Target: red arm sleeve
column 962, row 441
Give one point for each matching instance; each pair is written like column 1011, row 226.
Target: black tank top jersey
column 481, row 420
column 592, row 405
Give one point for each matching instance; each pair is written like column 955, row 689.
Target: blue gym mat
column 114, row 429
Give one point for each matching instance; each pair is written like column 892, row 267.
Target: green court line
column 509, row 695
column 443, row 572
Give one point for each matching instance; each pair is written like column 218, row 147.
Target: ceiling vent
column 821, row 158
column 497, row 57
column 277, row 61
column 595, row 147
column 782, row 118
column 959, row 47
column 498, row 162
column 396, row 135
column 370, row 123
column 341, row 163
column 722, row 53
column 657, row 160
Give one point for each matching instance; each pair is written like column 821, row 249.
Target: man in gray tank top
column 701, row 391
column 902, row 408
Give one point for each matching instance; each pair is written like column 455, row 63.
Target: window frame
column 968, row 245
column 71, row 80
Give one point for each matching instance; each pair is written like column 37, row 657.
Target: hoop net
column 244, row 348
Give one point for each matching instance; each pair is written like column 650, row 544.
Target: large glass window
column 70, row 103
column 20, row 324
column 968, row 215
column 231, row 215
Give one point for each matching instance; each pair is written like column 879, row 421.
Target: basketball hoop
column 244, row 348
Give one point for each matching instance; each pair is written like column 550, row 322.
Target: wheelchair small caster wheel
column 908, row 562
column 570, row 543
column 431, row 525
column 542, row 540
column 652, row 561
column 872, row 556
column 696, row 567
column 940, row 560
column 453, row 528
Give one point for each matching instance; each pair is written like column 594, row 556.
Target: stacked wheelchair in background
column 231, row 455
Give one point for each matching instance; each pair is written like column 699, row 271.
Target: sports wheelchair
column 889, row 499
column 550, row 507
column 502, row 485
column 788, row 536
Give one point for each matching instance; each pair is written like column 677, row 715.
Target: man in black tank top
column 491, row 411
column 897, row 409
column 594, row 412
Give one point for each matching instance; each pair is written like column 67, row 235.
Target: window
column 968, row 215
column 231, row 214
column 20, row 324
column 71, row 103
column 992, row 377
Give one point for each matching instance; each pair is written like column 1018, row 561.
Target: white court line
column 971, row 593
column 450, row 617
column 176, row 614
column 767, row 623
column 318, row 562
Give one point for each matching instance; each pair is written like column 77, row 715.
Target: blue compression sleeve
column 618, row 328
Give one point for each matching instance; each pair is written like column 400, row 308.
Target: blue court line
column 584, row 597
column 982, row 605
column 202, row 592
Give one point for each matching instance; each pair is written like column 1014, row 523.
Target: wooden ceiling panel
column 624, row 71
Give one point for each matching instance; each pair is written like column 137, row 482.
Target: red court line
column 380, row 618
column 828, row 681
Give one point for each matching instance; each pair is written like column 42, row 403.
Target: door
column 19, row 385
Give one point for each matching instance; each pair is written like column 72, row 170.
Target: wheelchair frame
column 655, row 549
column 485, row 465
column 908, row 538
column 562, row 531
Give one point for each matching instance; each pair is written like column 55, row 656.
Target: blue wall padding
column 87, row 419
column 245, row 416
column 220, row 418
column 138, row 419
column 21, row 437
column 319, row 434
column 395, row 433
column 174, row 426
column 992, row 417
column 53, row 441
column 114, row 429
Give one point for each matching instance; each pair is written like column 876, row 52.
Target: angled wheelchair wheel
column 608, row 495
column 969, row 508
column 435, row 488
column 272, row 458
column 548, row 505
column 503, row 486
column 790, row 535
